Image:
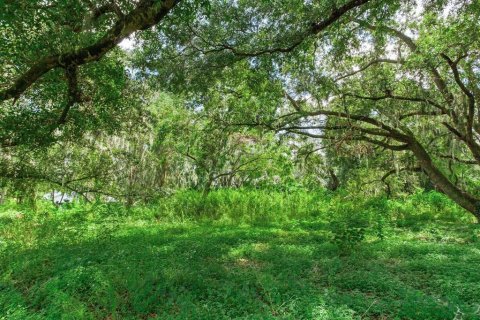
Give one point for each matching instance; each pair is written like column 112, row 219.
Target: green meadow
column 242, row 255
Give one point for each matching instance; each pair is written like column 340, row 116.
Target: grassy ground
column 87, row 265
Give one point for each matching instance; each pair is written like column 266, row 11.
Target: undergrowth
column 242, row 254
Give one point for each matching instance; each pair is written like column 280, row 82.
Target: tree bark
column 333, row 182
column 460, row 197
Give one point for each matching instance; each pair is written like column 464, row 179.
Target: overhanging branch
column 315, row 28
column 146, row 14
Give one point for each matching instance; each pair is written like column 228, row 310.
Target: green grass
column 102, row 262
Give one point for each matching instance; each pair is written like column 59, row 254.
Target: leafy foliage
column 239, row 159
column 97, row 261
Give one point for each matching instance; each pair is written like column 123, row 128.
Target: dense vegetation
column 242, row 254
column 202, row 159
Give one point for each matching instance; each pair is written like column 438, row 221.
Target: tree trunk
column 460, row 197
column 208, row 185
column 333, row 182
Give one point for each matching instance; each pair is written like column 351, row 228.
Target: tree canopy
column 241, row 92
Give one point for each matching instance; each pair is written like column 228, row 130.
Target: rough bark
column 460, row 197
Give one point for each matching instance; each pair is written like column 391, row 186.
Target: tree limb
column 471, row 98
column 314, row 29
column 371, row 63
column 73, row 92
column 146, row 14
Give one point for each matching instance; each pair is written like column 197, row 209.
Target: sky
column 127, row 44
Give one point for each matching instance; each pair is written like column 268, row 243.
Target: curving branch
column 146, row 14
column 385, row 145
column 315, row 28
column 386, row 129
column 420, row 113
column 368, row 65
column 390, row 95
column 313, row 127
column 440, row 83
column 470, row 96
column 396, row 171
column 110, row 7
column 459, row 160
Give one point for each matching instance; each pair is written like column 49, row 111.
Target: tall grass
column 348, row 217
column 252, row 206
column 242, row 205
column 258, row 207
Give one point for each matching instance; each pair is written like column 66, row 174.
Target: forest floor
column 134, row 268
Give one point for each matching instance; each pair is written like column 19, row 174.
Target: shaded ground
column 146, row 270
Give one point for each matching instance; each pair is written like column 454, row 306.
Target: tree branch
column 390, row 132
column 371, row 63
column 315, row 28
column 73, row 93
column 471, row 98
column 401, row 98
column 437, row 78
column 444, row 156
column 146, row 14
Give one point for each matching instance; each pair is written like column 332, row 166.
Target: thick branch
column 73, row 92
column 462, row 198
column 146, row 14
